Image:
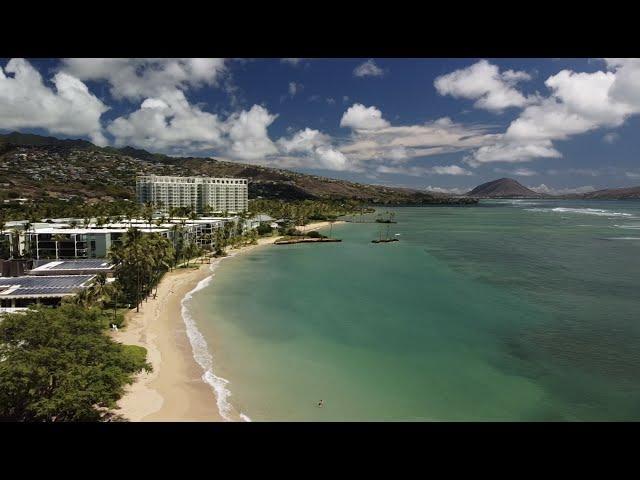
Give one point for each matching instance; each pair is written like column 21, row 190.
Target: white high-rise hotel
column 220, row 194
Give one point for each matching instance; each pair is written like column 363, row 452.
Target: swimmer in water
column 320, row 403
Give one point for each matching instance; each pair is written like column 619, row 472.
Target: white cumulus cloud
column 578, row 102
column 518, row 172
column 291, row 61
column 625, row 88
column 248, row 135
column 368, row 69
column 359, row 117
column 611, row 137
column 450, row 170
column 314, row 150
column 542, row 188
column 331, row 158
column 420, row 171
column 138, row 78
column 304, row 141
column 493, row 90
column 69, row 108
column 451, row 190
column 294, row 88
column 168, row 123
column 512, row 152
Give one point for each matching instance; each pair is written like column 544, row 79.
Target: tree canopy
column 58, row 365
column 140, row 261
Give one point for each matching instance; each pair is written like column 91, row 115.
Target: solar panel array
column 81, row 264
column 45, row 285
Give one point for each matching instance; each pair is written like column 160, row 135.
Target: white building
column 91, row 266
column 218, row 194
column 66, row 243
column 57, row 240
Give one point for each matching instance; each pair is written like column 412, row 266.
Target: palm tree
column 193, row 216
column 219, row 242
column 253, row 237
column 98, row 291
column 58, row 237
column 175, row 228
column 3, row 240
column 172, row 213
column 82, row 298
column 15, row 243
column 148, row 214
column 27, row 237
column 113, row 292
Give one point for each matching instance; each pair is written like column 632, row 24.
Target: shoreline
column 181, row 386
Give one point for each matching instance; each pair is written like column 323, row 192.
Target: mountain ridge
column 35, row 166
column 31, row 164
column 503, row 188
column 511, row 188
column 623, row 193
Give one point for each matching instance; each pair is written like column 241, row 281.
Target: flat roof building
column 25, row 290
column 72, row 267
column 202, row 194
column 58, row 243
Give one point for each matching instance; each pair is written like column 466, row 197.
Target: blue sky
column 554, row 124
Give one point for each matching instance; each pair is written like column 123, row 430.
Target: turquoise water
column 512, row 310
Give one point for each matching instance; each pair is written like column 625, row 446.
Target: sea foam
column 630, row 227
column 585, row 211
column 203, row 356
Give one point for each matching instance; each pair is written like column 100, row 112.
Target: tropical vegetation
column 58, row 365
column 139, row 263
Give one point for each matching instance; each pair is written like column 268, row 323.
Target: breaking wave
column 203, row 356
column 585, row 211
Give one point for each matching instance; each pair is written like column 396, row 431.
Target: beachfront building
column 56, row 243
column 56, row 239
column 91, row 266
column 202, row 194
column 22, row 291
column 200, row 230
column 254, row 222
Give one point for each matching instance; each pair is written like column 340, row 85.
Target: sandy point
column 174, row 390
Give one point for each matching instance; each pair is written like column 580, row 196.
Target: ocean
column 513, row 310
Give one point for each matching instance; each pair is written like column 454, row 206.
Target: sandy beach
column 174, row 390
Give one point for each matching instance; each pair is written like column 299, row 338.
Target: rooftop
column 96, row 264
column 187, row 179
column 42, row 287
column 84, row 231
column 262, row 218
